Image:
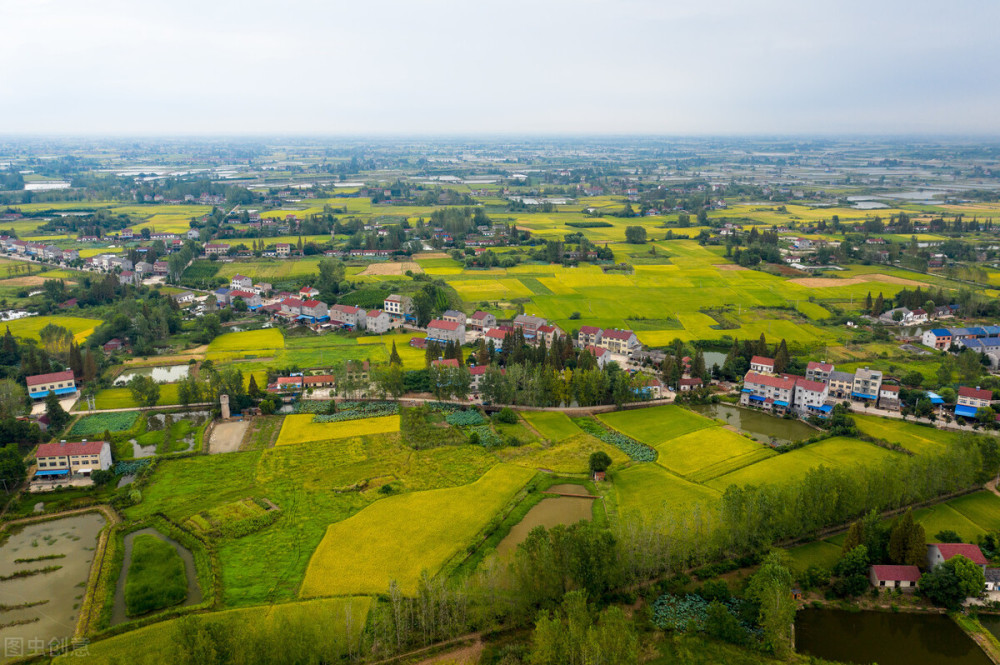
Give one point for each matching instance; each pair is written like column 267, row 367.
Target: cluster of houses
column 905, row 316
column 905, row 578
column 38, row 249
column 815, row 393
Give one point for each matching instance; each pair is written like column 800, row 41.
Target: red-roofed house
column 348, row 315
column 446, row 331
column 482, row 321
column 810, row 397
column 762, row 364
column 497, row 336
column 61, row 383
column 478, row 372
column 652, row 386
column 61, row 459
column 888, row 397
column 938, row 553
column 378, row 321
column 684, row 385
column 904, row 578
column 291, row 306
column 588, row 336
column 315, row 308
column 318, row 381
column 249, row 297
column 447, row 362
column 974, row 397
column 308, row 292
column 548, row 333
column 818, row 371
column 772, row 393
column 285, row 384
column 601, row 355
column 619, row 341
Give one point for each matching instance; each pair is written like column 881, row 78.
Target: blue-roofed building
column 222, row 296
column 938, row 338
column 983, row 345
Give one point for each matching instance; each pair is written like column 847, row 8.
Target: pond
column 118, row 614
column 170, row 374
column 759, row 425
column 549, row 513
column 54, row 598
column 885, row 637
column 991, row 622
column 174, row 441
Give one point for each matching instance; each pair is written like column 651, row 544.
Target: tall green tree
column 56, row 414
column 907, row 541
column 144, row 390
column 771, row 588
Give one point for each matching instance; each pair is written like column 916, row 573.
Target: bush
column 506, row 415
column 465, row 418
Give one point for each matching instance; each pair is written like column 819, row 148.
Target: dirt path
column 470, row 637
column 227, row 437
column 465, row 656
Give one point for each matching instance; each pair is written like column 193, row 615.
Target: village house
column 193, row 234
column 315, row 309
column 161, row 268
column 904, row 578
column 528, row 325
column 601, row 355
column 77, row 457
column 61, row 383
column 249, row 297
column 686, row 385
column 318, row 381
column 766, row 391
column 547, row 333
column 347, row 315
column 938, row 553
column 377, row 321
column 888, row 398
column 396, row 305
column 183, row 297
column 241, row 283
column 445, row 331
column 899, row 315
column 588, row 336
column 286, row 384
column 497, row 336
column 762, row 365
column 649, row 387
column 112, row 345
column 840, row 384
column 810, row 398
column 451, row 363
column 866, row 384
column 216, row 249
column 970, row 400
column 482, row 321
column 144, row 268
column 816, row 371
column 454, row 316
column 938, row 338
column 291, row 306
column 282, row 249
column 127, row 277
column 622, row 342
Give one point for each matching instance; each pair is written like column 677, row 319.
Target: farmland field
column 656, row 425
column 571, row 455
column 397, row 537
column 552, row 424
column 121, row 398
column 652, row 492
column 915, row 438
column 299, row 428
column 248, row 343
column 836, row 452
column 29, row 327
column 707, row 453
column 99, row 422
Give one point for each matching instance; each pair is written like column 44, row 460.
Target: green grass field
column 656, row 425
column 552, row 425
column 571, row 455
column 121, row 398
column 300, row 428
column 708, row 453
column 652, row 492
column 821, row 553
column 916, row 438
column 836, row 452
column 156, row 577
column 398, row 537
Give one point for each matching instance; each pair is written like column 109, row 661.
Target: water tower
column 224, row 401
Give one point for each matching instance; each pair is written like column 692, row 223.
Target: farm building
column 61, row 383
column 79, row 457
column 938, row 553
column 894, row 577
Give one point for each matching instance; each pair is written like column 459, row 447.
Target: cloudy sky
column 470, row 66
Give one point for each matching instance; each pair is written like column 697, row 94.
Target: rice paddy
column 29, row 327
column 300, row 428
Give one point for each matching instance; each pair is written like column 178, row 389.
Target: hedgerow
column 637, row 451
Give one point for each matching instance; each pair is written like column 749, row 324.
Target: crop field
column 271, row 270
column 981, row 508
column 412, row 358
column 552, row 425
column 916, row 438
column 29, row 327
column 397, row 537
column 300, row 428
column 159, row 639
column 245, row 344
column 708, row 453
column 652, row 492
column 571, row 455
column 656, row 425
column 836, row 452
column 98, row 423
column 121, row 398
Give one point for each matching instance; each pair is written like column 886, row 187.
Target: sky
column 391, row 67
